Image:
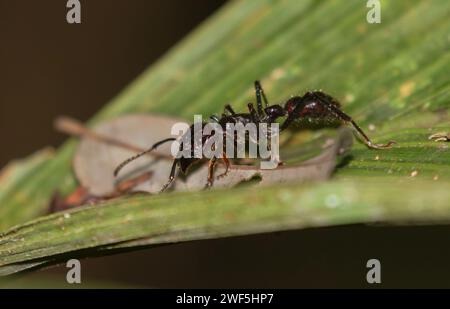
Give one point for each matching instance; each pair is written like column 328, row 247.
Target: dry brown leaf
column 95, row 160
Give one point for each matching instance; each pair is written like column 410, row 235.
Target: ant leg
column 346, row 118
column 260, row 93
column 211, row 165
column 227, row 166
column 172, row 175
column 253, row 113
column 229, row 109
column 366, row 139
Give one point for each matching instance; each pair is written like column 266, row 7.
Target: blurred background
column 51, row 68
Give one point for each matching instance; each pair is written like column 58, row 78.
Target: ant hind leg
column 331, row 105
column 367, row 141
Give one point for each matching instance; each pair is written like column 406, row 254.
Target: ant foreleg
column 211, row 165
column 172, row 175
column 227, row 166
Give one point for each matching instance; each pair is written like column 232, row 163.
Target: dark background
column 49, row 67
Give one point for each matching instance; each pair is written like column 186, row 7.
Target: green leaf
column 391, row 77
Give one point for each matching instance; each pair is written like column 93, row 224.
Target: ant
column 312, row 105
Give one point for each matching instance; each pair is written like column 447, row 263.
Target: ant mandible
column 312, row 105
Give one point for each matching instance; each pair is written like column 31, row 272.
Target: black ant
column 312, row 105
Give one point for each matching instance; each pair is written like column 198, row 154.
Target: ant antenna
column 121, row 165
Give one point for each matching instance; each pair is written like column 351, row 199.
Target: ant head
column 275, row 111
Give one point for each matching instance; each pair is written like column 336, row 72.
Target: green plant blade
column 214, row 214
